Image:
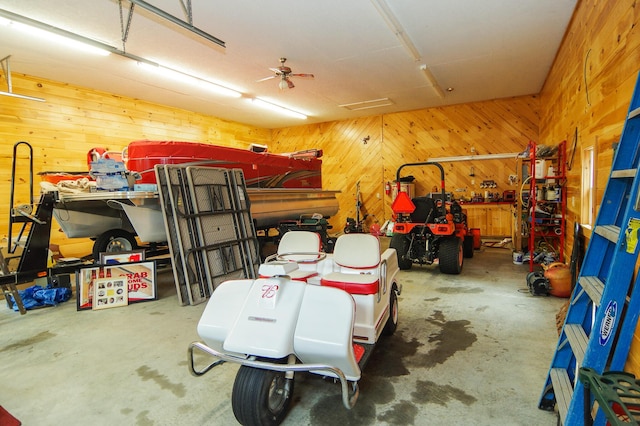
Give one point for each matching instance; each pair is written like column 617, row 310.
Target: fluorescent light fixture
column 373, row 103
column 396, row 27
column 277, row 108
column 51, row 33
column 187, row 78
column 432, row 80
column 513, row 155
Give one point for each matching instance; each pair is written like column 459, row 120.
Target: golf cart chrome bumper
column 349, row 397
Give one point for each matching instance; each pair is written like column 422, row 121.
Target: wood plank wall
column 74, row 120
column 589, row 88
column 492, row 127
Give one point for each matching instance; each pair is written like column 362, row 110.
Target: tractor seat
column 356, row 256
column 425, row 211
column 302, row 247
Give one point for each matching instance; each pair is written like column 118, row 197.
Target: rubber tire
column 468, row 246
column 250, row 397
column 392, row 323
column 451, row 256
column 113, row 241
column 400, row 243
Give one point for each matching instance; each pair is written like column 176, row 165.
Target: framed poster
column 107, row 258
column 85, row 278
column 110, row 293
column 140, row 278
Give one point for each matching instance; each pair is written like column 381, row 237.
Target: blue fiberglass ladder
column 599, row 300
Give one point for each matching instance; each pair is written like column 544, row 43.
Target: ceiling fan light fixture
column 283, row 84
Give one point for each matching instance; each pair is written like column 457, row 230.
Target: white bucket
column 517, row 257
column 540, row 169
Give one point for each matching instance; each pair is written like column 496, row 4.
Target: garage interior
column 372, row 85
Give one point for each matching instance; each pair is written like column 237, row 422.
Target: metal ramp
column 209, row 227
column 603, row 311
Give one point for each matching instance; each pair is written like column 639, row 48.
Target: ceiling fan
column 283, row 72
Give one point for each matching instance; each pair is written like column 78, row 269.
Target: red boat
column 261, row 169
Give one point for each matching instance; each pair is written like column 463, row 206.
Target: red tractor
column 427, row 229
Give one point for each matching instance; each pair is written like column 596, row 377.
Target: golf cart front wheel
column 261, row 397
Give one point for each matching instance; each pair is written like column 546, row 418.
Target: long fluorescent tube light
column 24, row 23
column 513, row 155
column 374, row 103
column 188, row 78
column 277, row 108
column 396, row 27
column 52, row 33
column 432, row 80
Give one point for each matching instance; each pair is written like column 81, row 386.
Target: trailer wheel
column 261, row 397
column 451, row 256
column 400, row 242
column 392, row 322
column 115, row 240
column 468, row 246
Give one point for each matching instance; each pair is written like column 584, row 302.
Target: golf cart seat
column 356, row 258
column 303, row 248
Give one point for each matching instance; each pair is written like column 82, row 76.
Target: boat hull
column 90, row 215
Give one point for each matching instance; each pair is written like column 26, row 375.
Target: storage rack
column 547, row 214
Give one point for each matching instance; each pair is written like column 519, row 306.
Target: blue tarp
column 36, row 296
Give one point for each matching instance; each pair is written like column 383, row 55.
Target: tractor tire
column 467, row 247
column 451, row 256
column 401, row 244
column 260, row 397
column 113, row 241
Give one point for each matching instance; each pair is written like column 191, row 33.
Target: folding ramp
column 210, row 229
column 603, row 311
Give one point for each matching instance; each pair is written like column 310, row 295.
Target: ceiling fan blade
column 303, row 75
column 290, row 84
column 266, row 78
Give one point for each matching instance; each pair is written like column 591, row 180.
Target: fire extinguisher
column 387, row 188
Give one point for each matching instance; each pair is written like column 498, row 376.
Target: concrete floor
column 469, row 349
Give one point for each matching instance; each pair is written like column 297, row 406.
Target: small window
column 587, row 213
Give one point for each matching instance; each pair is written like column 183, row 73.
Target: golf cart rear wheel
column 400, row 242
column 392, row 322
column 261, row 397
column 451, row 256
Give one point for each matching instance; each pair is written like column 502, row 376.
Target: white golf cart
column 309, row 312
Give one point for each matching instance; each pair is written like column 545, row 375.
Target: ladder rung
column 634, row 113
column 562, row 389
column 626, row 173
column 577, row 339
column 610, row 232
column 594, row 288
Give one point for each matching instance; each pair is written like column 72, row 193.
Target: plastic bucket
column 517, row 257
column 475, row 232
